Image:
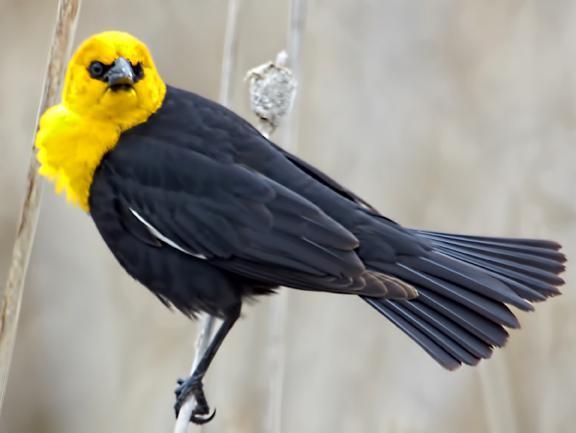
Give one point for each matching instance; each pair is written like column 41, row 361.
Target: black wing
column 236, row 219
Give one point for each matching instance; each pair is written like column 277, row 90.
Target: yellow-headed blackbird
column 204, row 211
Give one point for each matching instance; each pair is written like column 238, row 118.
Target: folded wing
column 237, row 219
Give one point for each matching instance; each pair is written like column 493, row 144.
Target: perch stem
column 278, row 314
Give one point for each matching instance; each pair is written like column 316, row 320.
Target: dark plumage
column 203, row 210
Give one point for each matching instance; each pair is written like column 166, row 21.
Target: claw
column 201, row 413
column 179, row 382
column 200, row 419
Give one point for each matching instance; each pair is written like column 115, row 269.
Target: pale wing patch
column 156, row 233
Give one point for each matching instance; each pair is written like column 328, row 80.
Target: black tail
column 464, row 284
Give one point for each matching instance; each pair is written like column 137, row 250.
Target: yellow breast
column 70, row 148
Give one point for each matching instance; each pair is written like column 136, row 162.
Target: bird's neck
column 70, row 148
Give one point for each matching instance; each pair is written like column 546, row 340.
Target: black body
column 203, row 210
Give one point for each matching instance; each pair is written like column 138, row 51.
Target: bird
column 203, row 210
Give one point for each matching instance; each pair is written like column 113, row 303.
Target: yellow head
column 112, row 77
column 111, row 85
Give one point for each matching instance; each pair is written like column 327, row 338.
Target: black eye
column 138, row 71
column 96, row 69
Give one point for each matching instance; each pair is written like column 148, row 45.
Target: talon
column 186, row 387
column 202, row 418
column 201, row 413
column 177, row 406
column 180, row 382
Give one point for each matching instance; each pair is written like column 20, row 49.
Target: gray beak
column 120, row 75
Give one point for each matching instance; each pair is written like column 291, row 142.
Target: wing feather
column 237, row 219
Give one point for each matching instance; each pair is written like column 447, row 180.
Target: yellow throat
column 75, row 135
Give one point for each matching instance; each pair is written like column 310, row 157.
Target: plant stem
column 67, row 14
column 278, row 314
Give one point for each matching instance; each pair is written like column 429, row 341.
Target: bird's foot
column 192, row 386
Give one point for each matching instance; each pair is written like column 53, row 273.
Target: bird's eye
column 138, row 71
column 96, row 69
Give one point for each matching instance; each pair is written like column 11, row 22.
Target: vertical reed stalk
column 278, row 314
column 11, row 299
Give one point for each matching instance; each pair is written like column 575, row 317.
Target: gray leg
column 193, row 385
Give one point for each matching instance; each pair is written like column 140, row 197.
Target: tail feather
column 464, row 284
column 543, row 269
column 495, row 311
column 544, row 262
column 468, row 341
column 521, row 243
column 522, row 290
column 485, row 329
column 521, row 282
column 431, row 345
column 470, row 277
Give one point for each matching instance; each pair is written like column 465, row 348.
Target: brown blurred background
column 455, row 115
